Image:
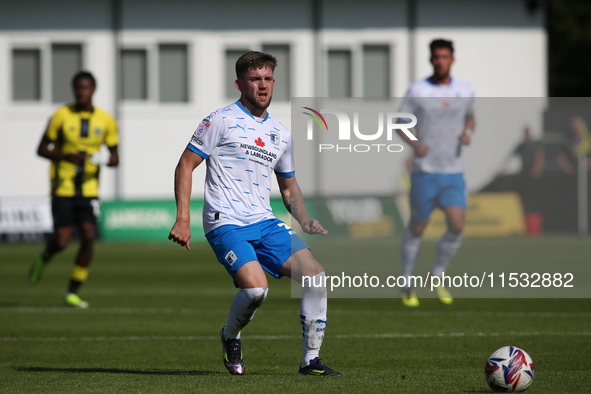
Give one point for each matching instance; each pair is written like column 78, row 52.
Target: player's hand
column 113, row 161
column 420, row 149
column 536, row 172
column 313, row 226
column 181, row 234
column 465, row 139
column 75, row 158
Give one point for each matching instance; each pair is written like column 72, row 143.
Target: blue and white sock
column 313, row 316
column 409, row 252
column 244, row 306
column 446, row 250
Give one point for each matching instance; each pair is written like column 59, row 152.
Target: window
column 359, row 71
column 376, row 71
column 282, row 73
column 66, row 61
column 156, row 73
column 36, row 78
column 231, row 56
column 339, row 73
column 26, row 74
column 134, row 79
column 173, row 75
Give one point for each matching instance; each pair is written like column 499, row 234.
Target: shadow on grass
column 9, row 304
column 117, row 371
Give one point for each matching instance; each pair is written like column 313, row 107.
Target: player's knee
column 417, row 228
column 456, row 228
column 87, row 241
column 416, row 232
column 457, row 231
column 318, row 269
column 312, row 266
column 312, row 269
column 257, row 296
column 87, row 235
column 60, row 243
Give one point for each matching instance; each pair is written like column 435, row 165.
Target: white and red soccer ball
column 509, row 369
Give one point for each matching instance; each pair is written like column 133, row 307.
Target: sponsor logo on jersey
column 196, row 140
column 275, row 138
column 97, row 131
column 258, row 151
column 231, row 258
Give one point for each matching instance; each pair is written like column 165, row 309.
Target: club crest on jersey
column 275, row 138
column 202, row 129
column 97, row 131
column 231, row 257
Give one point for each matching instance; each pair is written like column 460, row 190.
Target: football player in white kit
column 445, row 121
column 243, row 145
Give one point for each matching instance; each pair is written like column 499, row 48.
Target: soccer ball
column 509, row 369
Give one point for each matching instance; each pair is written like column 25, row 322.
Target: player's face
column 256, row 87
column 83, row 91
column 442, row 59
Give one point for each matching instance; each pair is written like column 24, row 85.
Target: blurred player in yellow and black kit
column 75, row 133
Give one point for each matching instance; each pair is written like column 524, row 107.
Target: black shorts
column 68, row 211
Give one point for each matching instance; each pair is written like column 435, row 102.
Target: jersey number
column 284, row 225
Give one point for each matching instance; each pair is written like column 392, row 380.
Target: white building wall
column 500, row 49
column 24, row 174
column 498, row 62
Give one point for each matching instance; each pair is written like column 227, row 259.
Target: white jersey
column 242, row 152
column 441, row 112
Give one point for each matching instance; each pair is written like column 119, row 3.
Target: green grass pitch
column 156, row 311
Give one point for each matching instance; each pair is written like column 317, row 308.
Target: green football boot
column 73, row 300
column 36, row 270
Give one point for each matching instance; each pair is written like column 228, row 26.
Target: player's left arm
column 114, row 157
column 112, row 140
column 469, row 126
column 294, row 202
column 539, row 161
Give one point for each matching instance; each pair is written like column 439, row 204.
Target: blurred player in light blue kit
column 443, row 106
column 243, row 146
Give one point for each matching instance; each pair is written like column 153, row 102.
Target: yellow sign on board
column 380, row 227
column 488, row 215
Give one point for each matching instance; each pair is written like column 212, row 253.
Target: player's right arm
column 409, row 106
column 183, row 181
column 420, row 149
column 47, row 147
column 51, row 153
